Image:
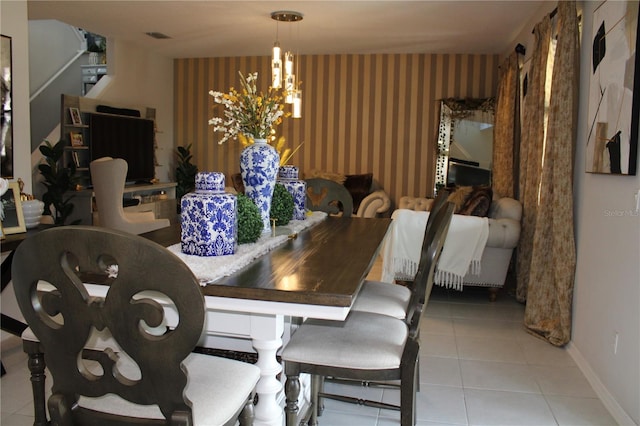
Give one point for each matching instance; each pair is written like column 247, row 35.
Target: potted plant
column 185, row 173
column 59, row 180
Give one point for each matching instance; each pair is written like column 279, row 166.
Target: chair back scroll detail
column 328, row 196
column 63, row 316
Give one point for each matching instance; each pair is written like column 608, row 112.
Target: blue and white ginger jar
column 209, row 218
column 259, row 169
column 288, row 177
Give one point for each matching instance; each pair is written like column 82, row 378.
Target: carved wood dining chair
column 366, row 346
column 394, row 299
column 328, row 196
column 154, row 311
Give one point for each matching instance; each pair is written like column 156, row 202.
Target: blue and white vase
column 259, row 169
column 288, row 177
column 209, row 218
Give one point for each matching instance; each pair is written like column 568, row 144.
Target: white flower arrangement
column 247, row 112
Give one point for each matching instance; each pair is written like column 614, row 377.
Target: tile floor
column 477, row 367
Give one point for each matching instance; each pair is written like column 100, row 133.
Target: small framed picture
column 76, row 139
column 76, row 119
column 11, row 211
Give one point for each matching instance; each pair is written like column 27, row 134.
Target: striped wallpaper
column 360, row 113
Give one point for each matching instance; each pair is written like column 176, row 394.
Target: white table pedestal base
column 266, row 336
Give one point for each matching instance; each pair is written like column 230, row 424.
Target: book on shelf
column 76, row 158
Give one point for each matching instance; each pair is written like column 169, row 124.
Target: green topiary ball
column 249, row 221
column 281, row 205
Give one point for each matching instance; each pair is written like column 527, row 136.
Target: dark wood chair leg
column 493, row 293
column 292, row 391
column 408, row 384
column 37, row 366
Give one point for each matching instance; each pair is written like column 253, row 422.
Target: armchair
column 108, row 178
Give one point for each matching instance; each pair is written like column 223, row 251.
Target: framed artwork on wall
column 6, row 133
column 614, row 90
column 11, row 211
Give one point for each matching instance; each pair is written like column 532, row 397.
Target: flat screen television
column 461, row 174
column 129, row 138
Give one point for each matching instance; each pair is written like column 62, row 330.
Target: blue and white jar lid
column 288, row 172
column 212, row 182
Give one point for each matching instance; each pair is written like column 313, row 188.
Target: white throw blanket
column 462, row 250
column 211, row 268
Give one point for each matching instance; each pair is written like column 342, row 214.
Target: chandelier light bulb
column 276, row 52
column 276, row 74
column 288, row 63
column 289, row 88
column 297, row 104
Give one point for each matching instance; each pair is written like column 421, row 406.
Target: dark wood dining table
column 316, row 273
column 322, row 265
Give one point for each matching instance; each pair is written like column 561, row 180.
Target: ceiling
column 245, row 28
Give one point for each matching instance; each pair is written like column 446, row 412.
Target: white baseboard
column 617, row 412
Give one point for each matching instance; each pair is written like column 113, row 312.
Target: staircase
column 57, row 52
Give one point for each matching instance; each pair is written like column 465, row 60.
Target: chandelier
column 287, row 80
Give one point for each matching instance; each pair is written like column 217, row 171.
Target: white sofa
column 504, row 232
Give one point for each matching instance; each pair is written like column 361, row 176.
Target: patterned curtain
column 531, row 149
column 553, row 259
column 506, row 128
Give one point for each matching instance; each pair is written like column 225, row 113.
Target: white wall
column 51, row 53
column 140, row 78
column 607, row 282
column 607, row 285
column 13, row 21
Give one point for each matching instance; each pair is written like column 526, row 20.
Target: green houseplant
column 185, row 172
column 59, row 180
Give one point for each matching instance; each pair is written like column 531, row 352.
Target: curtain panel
column 507, row 128
column 553, row 259
column 531, row 149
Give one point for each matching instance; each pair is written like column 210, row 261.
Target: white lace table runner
column 210, row 269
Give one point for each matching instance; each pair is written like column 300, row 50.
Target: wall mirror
column 6, row 137
column 465, row 142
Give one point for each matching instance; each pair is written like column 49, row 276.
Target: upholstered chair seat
column 233, row 381
column 383, row 298
column 358, row 344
